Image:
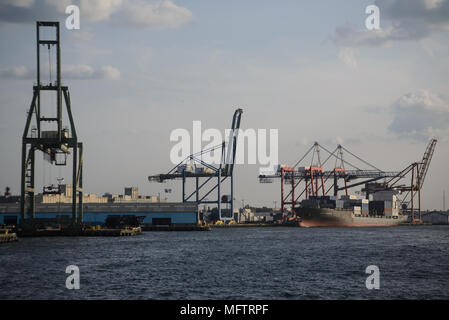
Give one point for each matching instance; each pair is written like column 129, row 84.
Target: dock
column 127, row 232
column 254, row 225
column 413, row 224
column 76, row 232
column 175, row 228
column 244, row 225
column 7, row 236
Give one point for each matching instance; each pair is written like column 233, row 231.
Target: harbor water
column 233, row 263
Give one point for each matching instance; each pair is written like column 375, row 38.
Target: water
column 234, row 263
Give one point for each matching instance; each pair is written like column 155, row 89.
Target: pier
column 78, row 231
column 7, row 236
column 185, row 227
column 252, row 225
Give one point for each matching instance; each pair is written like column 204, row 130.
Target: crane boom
column 426, row 162
column 232, row 145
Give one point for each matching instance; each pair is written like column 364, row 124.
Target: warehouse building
column 436, row 217
column 96, row 213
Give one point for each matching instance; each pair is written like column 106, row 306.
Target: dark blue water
column 238, row 263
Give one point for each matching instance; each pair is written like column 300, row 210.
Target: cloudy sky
column 139, row 69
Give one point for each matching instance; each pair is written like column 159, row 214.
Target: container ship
column 384, row 209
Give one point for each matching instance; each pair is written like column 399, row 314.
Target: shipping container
column 386, row 195
column 376, row 208
column 339, row 204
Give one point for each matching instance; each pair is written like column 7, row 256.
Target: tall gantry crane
column 425, row 162
column 55, row 143
column 193, row 167
column 316, row 181
column 418, row 173
column 315, row 178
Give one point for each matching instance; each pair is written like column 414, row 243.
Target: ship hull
column 320, row 217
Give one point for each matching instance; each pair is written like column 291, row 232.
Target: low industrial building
column 254, row 215
column 63, row 194
column 436, row 217
column 96, row 214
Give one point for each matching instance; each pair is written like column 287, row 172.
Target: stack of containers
column 376, row 208
column 365, row 207
column 387, row 208
column 340, row 204
column 387, row 198
column 322, row 201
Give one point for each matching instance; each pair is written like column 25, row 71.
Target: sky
column 137, row 70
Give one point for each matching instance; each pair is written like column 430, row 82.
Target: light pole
column 60, row 180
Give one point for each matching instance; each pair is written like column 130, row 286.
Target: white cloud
column 83, row 34
column 401, row 20
column 77, row 72
column 59, row 5
column 346, row 55
column 432, row 4
column 110, row 73
column 18, row 72
column 156, row 14
column 98, row 10
column 423, row 98
column 127, row 13
column 81, row 72
column 420, row 115
column 85, row 72
column 19, row 3
column 348, row 36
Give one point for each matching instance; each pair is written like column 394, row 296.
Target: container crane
column 316, row 179
column 418, row 173
column 425, row 162
column 56, row 143
column 195, row 168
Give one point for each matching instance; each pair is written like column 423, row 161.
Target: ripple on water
column 249, row 263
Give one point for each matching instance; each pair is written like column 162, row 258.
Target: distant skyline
column 137, row 70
